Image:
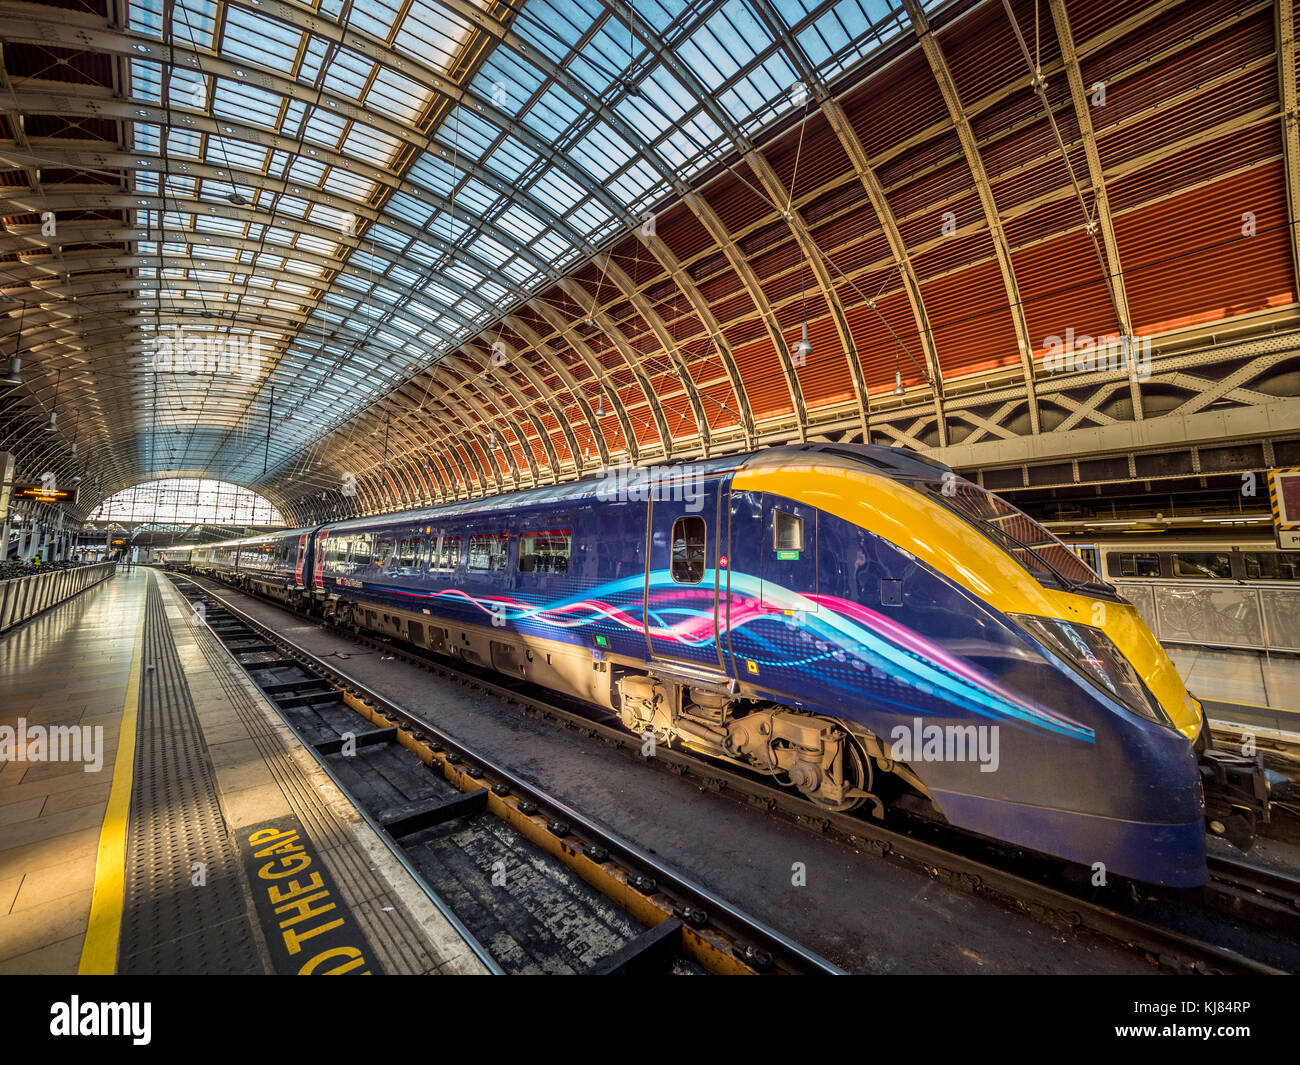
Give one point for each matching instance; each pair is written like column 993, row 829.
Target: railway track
column 599, row 891
column 1266, row 897
column 1240, row 891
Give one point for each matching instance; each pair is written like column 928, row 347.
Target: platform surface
column 212, row 843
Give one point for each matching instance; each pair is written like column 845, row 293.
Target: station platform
column 157, row 816
column 1250, row 688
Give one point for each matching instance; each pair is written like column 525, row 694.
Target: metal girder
column 552, row 318
column 1083, row 115
column 274, row 142
column 482, row 365
column 631, row 359
column 660, row 330
column 1276, row 418
column 966, row 135
column 135, row 45
column 777, row 192
column 771, row 183
column 853, row 148
column 1284, row 24
column 711, row 222
column 556, row 366
column 700, row 305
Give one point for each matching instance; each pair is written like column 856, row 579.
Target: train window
column 1202, row 566
column 336, row 551
column 448, row 554
column 361, row 551
column 409, row 552
column 787, row 531
column 545, row 552
column 1133, row 565
column 487, row 551
column 385, row 549
column 689, row 549
column 1271, row 566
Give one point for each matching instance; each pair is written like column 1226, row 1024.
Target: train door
column 680, row 606
column 300, row 558
column 788, row 556
column 318, row 563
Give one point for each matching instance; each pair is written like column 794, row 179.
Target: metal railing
column 1263, row 618
column 25, row 597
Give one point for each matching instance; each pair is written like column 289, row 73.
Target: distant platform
column 157, row 816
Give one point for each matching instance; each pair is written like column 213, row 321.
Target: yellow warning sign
column 1284, row 499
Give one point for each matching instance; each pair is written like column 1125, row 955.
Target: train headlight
column 1091, row 653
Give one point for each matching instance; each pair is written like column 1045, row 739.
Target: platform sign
column 41, row 493
column 1284, row 497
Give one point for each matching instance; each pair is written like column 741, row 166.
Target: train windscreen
column 1024, row 539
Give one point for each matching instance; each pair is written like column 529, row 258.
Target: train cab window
column 1270, row 566
column 1133, row 565
column 488, row 551
column 787, row 531
column 409, row 552
column 545, row 552
column 385, row 549
column 689, row 535
column 1203, row 566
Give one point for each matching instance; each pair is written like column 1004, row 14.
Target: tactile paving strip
column 170, row 923
column 397, row 939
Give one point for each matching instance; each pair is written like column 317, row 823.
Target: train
column 858, row 622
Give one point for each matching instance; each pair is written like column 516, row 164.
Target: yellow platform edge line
column 99, row 950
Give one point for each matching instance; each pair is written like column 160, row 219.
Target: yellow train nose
column 1127, row 631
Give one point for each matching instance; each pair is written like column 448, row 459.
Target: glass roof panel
column 484, row 215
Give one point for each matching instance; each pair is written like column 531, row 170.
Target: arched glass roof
column 182, row 502
column 434, row 249
column 325, row 198
column 400, row 179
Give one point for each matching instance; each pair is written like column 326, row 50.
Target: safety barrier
column 1264, row 619
column 25, row 597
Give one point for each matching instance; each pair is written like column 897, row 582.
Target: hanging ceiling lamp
column 805, row 347
column 14, row 376
column 52, row 426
